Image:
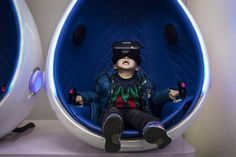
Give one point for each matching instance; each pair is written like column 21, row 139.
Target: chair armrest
column 171, row 110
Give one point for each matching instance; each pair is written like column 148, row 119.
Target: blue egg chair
column 20, row 62
column 82, row 48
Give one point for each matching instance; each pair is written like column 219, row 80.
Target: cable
column 24, row 128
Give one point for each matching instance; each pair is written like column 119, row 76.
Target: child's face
column 126, row 63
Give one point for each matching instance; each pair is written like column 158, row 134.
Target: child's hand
column 79, row 100
column 173, row 94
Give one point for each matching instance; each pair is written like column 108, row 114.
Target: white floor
column 50, row 138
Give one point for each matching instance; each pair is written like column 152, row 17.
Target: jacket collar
column 111, row 72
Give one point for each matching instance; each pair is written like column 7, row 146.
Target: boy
column 125, row 94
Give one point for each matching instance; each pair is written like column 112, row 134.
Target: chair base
column 50, row 138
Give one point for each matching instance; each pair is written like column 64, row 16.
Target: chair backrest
column 144, row 21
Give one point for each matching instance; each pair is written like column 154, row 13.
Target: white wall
column 46, row 14
column 213, row 134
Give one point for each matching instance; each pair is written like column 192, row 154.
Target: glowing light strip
column 207, row 81
column 20, row 57
column 52, row 50
column 51, row 82
column 183, row 125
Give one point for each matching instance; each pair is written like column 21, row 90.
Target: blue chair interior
column 9, row 39
column 171, row 52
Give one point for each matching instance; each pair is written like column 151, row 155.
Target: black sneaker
column 112, row 129
column 153, row 132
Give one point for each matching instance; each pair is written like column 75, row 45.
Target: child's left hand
column 173, row 94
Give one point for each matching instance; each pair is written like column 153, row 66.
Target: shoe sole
column 112, row 130
column 157, row 136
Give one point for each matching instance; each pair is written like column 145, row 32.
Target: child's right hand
column 79, row 100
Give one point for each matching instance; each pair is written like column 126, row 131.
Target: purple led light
column 36, row 81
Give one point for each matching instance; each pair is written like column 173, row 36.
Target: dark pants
column 134, row 118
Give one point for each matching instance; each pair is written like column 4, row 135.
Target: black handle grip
column 72, row 95
column 24, row 128
column 3, row 89
column 182, row 89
